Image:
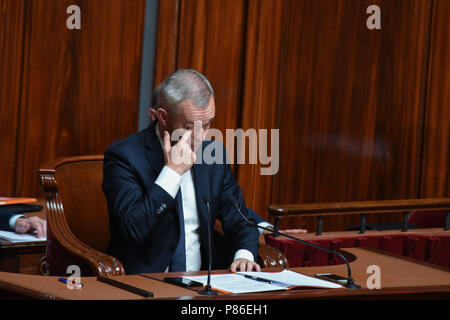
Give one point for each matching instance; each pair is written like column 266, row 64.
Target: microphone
column 208, row 290
column 350, row 283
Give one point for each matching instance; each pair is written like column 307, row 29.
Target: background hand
column 28, row 225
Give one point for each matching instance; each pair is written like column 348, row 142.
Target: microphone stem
column 349, row 273
column 209, row 247
column 208, row 290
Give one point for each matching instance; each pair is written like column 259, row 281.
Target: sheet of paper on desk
column 235, row 283
column 293, row 279
column 16, row 237
column 284, row 280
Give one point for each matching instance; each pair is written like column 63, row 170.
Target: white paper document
column 16, row 237
column 267, row 281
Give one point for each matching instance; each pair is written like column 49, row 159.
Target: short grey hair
column 182, row 85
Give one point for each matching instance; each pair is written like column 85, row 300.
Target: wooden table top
column 400, row 277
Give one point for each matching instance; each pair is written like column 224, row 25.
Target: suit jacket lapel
column 156, row 155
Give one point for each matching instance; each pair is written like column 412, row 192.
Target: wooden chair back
column 77, row 214
column 80, row 187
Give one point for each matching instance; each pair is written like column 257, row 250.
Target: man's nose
column 199, row 132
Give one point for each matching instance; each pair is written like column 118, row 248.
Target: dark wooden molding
column 356, row 207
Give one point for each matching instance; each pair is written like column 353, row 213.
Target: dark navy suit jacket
column 144, row 222
column 5, row 216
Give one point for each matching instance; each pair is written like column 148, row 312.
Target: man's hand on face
column 179, row 157
column 244, row 265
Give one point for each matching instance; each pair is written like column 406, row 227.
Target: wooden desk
column 400, row 278
column 24, row 257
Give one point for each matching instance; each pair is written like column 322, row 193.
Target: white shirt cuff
column 13, row 219
column 169, row 180
column 264, row 224
column 243, row 254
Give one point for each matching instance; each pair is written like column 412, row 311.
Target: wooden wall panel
column 209, row 38
column 193, row 26
column 166, row 40
column 12, row 15
column 224, row 59
column 80, row 88
column 359, row 112
column 436, row 154
column 260, row 93
column 350, row 126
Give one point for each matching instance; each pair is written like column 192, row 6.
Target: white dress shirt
column 13, row 219
column 171, row 182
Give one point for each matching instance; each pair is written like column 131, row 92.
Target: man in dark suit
column 20, row 223
column 157, row 191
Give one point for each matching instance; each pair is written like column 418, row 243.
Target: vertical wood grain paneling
column 80, row 87
column 166, row 39
column 352, row 101
column 260, row 93
column 192, row 34
column 206, row 35
column 436, row 152
column 12, row 16
column 362, row 114
column 224, row 51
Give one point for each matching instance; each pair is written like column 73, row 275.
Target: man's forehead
column 194, row 113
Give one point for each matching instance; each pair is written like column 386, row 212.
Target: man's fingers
column 22, row 226
column 244, row 265
column 185, row 137
column 233, row 266
column 253, row 265
column 166, row 141
column 39, row 225
column 27, row 225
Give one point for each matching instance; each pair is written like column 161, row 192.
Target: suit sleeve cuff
column 13, row 219
column 264, row 224
column 169, row 180
column 243, row 254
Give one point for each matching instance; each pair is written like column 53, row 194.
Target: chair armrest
column 61, row 239
column 270, row 257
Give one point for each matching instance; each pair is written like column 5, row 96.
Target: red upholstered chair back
column 427, row 219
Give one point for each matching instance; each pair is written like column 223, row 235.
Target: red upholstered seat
column 430, row 248
column 427, row 219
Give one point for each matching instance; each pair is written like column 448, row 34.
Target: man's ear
column 153, row 114
column 160, row 114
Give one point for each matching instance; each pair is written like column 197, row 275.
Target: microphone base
column 352, row 286
column 208, row 292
